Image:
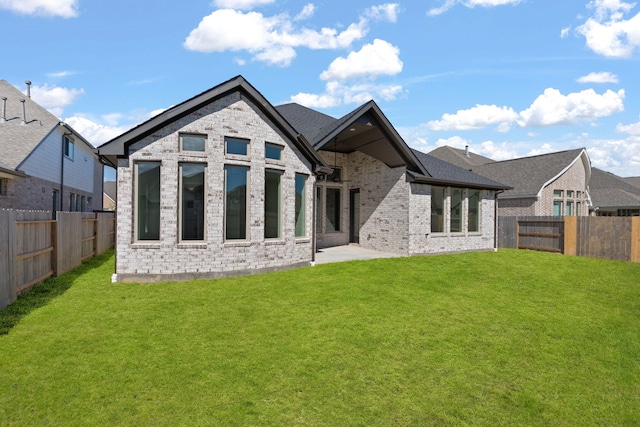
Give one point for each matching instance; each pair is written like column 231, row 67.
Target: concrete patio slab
column 349, row 253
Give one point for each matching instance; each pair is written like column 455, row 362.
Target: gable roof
column 633, row 180
column 609, row 190
column 528, row 176
column 20, row 135
column 118, row 147
column 461, row 158
column 367, row 129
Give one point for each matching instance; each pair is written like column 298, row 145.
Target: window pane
column 557, row 194
column 437, row 209
column 456, row 210
column 236, row 202
column 569, row 209
column 273, row 151
column 68, row 147
column 236, row 146
column 332, row 210
column 192, row 187
column 557, row 208
column 272, row 204
column 148, row 194
column 569, row 193
column 318, row 209
column 474, row 204
column 300, row 213
column 193, row 142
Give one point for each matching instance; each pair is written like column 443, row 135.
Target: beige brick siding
column 232, row 116
column 33, row 193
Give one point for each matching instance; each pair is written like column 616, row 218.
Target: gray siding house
column 226, row 184
column 45, row 164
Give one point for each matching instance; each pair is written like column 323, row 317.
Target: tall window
column 318, row 209
column 192, row 201
column 437, row 209
column 72, row 202
column 272, row 204
column 4, row 182
column 190, row 142
column 569, row 209
column 147, row 208
column 68, row 147
column 474, row 209
column 300, row 212
column 54, row 204
column 235, row 215
column 82, row 203
column 557, row 208
column 456, row 210
column 332, row 209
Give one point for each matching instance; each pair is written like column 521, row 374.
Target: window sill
column 192, row 245
column 273, row 242
column 238, row 158
column 238, row 244
column 186, row 155
column 274, row 162
column 140, row 245
column 300, row 240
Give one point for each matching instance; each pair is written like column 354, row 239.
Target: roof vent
column 466, row 150
column 24, row 112
column 28, row 82
column 4, row 110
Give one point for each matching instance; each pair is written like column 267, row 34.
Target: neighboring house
column 226, row 184
column 613, row 195
column 633, row 180
column 553, row 184
column 109, row 196
column 45, row 164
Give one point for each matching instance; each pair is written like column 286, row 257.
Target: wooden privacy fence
column 616, row 238
column 34, row 247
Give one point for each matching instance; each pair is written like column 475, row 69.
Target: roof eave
column 421, row 179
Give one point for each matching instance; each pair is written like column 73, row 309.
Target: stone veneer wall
column 423, row 241
column 33, row 193
column 169, row 259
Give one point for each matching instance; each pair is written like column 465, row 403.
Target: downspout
column 62, row 169
column 495, row 216
column 313, row 221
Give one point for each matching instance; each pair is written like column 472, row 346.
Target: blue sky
column 509, row 78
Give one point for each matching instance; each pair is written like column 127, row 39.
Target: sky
column 508, row 78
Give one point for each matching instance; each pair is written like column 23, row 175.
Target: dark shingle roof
column 529, row 175
column 609, row 190
column 633, row 180
column 18, row 140
column 310, row 123
column 459, row 157
column 448, row 172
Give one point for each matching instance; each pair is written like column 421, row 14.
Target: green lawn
column 506, row 338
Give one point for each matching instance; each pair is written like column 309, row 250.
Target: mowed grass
column 506, row 338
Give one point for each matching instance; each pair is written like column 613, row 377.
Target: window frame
column 460, row 217
column 136, row 201
column 278, row 227
column 247, row 197
column 558, row 194
column 271, row 145
column 181, row 137
column 560, row 204
column 228, row 139
column 68, row 148
column 568, row 208
column 181, row 201
column 4, row 187
column 337, row 210
column 300, row 209
column 443, row 192
column 470, row 194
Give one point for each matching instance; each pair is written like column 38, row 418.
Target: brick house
column 613, row 195
column 227, row 184
column 45, row 164
column 553, row 184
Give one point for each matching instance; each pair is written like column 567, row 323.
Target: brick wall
column 33, row 193
column 168, row 259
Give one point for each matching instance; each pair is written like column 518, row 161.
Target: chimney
column 4, row 110
column 466, row 150
column 28, row 82
column 24, row 112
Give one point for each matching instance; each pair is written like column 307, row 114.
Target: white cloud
column 631, row 129
column 545, row 149
column 241, row 4
column 378, row 58
column 61, row 74
column 60, row 8
column 339, row 94
column 54, row 98
column 272, row 39
column 619, row 156
column 553, row 108
column 502, row 151
column 97, row 134
column 384, row 12
column 477, row 117
column 448, row 4
column 601, row 77
column 564, row 33
column 608, row 33
column 307, row 12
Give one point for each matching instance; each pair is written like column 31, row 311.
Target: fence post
column 8, row 291
column 571, row 235
column 635, row 239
